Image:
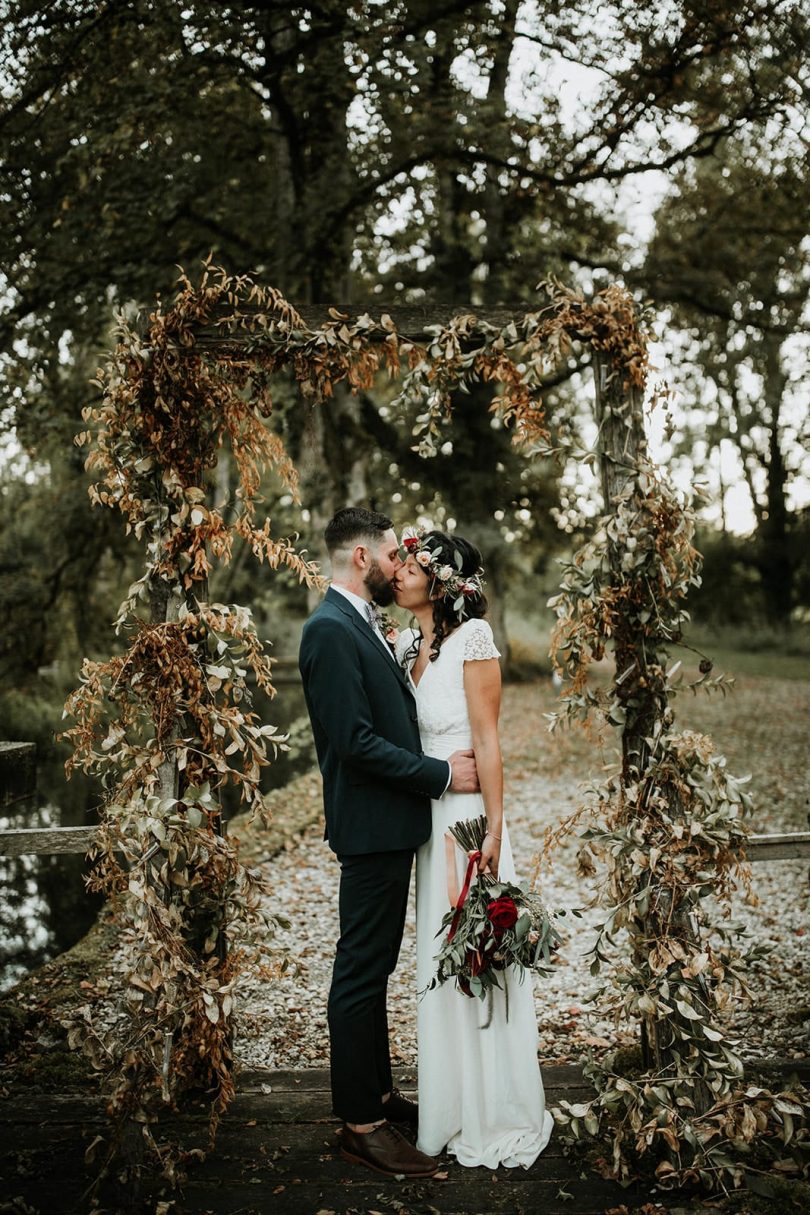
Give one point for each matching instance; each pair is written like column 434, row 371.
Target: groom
column 377, row 787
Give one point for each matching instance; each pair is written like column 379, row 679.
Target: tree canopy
column 323, row 146
column 452, row 152
column 730, row 255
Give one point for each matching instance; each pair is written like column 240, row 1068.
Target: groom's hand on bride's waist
column 463, row 773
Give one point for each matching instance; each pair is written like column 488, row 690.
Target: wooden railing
column 46, row 841
column 17, row 769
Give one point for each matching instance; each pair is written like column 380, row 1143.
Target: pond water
column 45, row 907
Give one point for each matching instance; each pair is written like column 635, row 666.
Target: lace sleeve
column 478, row 641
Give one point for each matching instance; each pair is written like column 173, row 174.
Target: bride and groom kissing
column 407, row 744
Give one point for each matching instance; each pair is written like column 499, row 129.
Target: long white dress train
column 480, row 1091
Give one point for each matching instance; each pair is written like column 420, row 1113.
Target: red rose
column 502, row 913
column 410, row 542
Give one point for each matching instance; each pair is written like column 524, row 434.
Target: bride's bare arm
column 482, row 686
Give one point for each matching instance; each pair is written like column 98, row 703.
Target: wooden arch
column 198, row 374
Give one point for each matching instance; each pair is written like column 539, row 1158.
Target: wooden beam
column 46, row 841
column 792, row 845
column 277, row 1152
column 411, row 320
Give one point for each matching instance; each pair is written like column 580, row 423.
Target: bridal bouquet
column 494, row 925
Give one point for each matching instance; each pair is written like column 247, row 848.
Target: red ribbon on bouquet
column 475, row 857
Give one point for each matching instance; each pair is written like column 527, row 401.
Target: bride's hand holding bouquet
column 493, row 925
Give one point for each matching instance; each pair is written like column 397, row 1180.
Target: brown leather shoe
column 399, row 1109
column 386, row 1151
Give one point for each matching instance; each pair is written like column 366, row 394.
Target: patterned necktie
column 374, row 616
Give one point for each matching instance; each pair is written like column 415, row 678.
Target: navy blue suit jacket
column 377, row 784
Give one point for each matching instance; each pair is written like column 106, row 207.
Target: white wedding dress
column 480, row 1091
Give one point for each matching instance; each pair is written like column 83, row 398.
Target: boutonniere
column 389, row 629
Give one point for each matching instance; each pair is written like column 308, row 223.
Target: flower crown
column 452, row 583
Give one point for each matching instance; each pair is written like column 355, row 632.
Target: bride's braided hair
column 448, row 551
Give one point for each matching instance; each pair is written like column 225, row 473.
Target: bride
column 480, row 1091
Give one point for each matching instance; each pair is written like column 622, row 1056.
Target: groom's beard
column 379, row 587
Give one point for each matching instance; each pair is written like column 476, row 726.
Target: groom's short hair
column 352, row 525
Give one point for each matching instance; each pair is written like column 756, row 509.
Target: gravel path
column 283, row 1023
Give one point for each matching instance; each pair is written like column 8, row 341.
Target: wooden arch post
column 640, row 684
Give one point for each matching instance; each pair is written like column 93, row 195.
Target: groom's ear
column 360, row 556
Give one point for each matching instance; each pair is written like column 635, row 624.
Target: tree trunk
column 333, row 461
column 498, row 145
column 315, row 236
column 775, row 560
column 496, row 598
column 453, row 263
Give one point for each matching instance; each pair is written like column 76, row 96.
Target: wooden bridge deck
column 277, row 1155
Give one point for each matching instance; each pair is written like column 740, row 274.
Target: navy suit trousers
column 373, row 902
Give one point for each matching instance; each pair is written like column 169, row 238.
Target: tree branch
column 95, row 18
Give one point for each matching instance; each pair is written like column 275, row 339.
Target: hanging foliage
column 518, row 357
